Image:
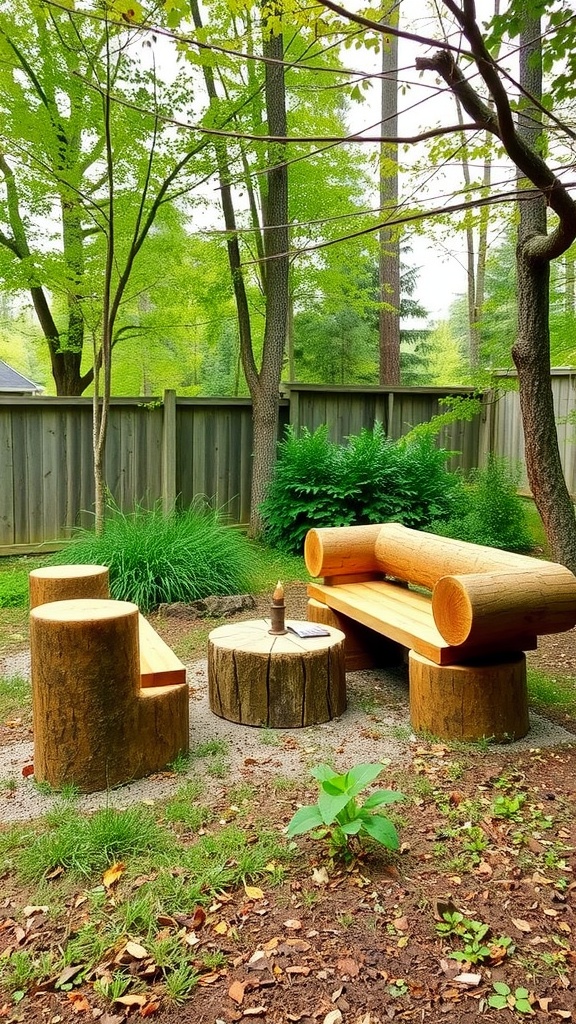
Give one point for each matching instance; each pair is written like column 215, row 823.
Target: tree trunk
column 531, row 353
column 265, row 390
column 389, row 261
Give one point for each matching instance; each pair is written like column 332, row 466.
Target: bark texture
column 484, row 700
column 93, row 725
column 283, row 682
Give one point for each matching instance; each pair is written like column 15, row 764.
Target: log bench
column 110, row 698
column 465, row 613
column 159, row 666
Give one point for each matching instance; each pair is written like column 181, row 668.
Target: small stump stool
column 486, row 698
column 94, row 726
column 283, row 682
column 66, row 582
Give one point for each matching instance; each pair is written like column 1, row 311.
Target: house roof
column 15, row 383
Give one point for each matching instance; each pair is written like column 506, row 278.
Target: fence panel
column 203, row 447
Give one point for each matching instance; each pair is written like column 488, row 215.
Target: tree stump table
column 280, row 681
column 68, row 582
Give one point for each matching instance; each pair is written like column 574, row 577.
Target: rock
column 209, row 607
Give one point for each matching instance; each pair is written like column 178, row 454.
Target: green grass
column 154, row 558
column 552, row 691
column 15, row 696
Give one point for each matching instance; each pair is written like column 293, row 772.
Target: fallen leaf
column 254, row 892
column 236, row 991
column 401, row 924
column 320, row 876
column 296, row 969
column 135, row 950
column 79, row 1002
column 149, row 1009
column 112, row 874
column 30, row 911
column 254, row 1011
column 28, row 770
column 522, row 926
column 221, row 928
column 470, row 980
column 293, row 924
column 334, row 1017
column 132, row 1000
column 68, row 974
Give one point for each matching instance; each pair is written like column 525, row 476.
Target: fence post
column 169, row 453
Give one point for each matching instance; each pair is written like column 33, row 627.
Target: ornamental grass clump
column 155, row 558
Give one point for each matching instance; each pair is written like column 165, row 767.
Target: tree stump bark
column 66, row 582
column 93, row 726
column 283, row 682
column 485, row 699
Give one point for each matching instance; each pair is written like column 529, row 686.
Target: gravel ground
column 374, row 727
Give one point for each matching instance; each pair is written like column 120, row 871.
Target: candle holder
column 277, row 612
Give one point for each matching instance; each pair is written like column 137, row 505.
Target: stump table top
column 254, row 637
column 282, row 681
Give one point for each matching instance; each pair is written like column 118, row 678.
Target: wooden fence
column 177, row 449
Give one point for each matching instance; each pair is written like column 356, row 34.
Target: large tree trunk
column 531, row 353
column 266, row 390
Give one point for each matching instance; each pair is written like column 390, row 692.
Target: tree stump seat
column 465, row 612
column 159, row 666
column 110, row 698
column 279, row 681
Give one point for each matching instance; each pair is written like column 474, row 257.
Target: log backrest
column 479, row 594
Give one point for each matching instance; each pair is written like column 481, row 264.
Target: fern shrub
column 491, row 511
column 369, row 479
column 154, row 558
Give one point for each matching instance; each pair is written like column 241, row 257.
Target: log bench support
column 110, row 699
column 94, row 726
column 448, row 603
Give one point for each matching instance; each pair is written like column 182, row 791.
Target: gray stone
column 209, row 607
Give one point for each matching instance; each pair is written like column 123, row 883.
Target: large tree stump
column 485, row 699
column 65, row 582
column 363, row 647
column 284, row 682
column 93, row 725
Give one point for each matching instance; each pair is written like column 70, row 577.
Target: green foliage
column 491, row 512
column 505, row 998
column 15, row 695
column 86, row 844
column 475, row 937
column 154, row 558
column 14, row 589
column 370, row 479
column 339, row 818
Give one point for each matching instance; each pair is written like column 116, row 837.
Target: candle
column 277, row 611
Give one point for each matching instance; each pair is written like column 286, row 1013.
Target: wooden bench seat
column 159, row 666
column 402, row 615
column 466, row 626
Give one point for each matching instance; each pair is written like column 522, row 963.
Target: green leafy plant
column 475, row 936
column 370, row 479
column 338, row 817
column 155, row 558
column 14, row 589
column 491, row 512
column 505, row 998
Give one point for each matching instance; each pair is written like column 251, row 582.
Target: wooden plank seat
column 474, row 612
column 159, row 666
